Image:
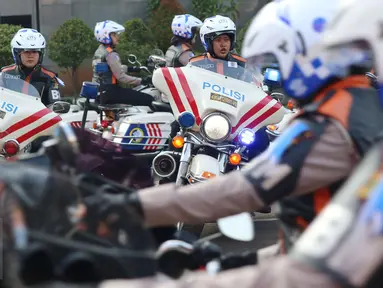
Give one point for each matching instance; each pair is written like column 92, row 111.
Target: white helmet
column 103, row 29
column 213, row 27
column 356, row 38
column 286, row 32
column 27, row 39
column 185, row 26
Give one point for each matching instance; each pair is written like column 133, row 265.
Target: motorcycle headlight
column 216, row 127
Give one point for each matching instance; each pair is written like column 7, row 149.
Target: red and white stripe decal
column 150, row 132
column 39, row 129
column 29, row 120
column 159, row 133
column 188, row 94
column 154, row 130
column 261, row 104
column 193, row 105
column 76, row 124
column 186, row 89
column 26, row 121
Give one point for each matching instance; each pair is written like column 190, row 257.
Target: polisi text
column 223, row 90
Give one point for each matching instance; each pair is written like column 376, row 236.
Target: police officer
column 184, row 28
column 218, row 36
column 28, row 49
column 107, row 34
column 339, row 121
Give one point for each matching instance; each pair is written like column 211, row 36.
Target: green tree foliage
column 160, row 21
column 241, row 36
column 6, row 34
column 71, row 44
column 137, row 39
column 203, row 9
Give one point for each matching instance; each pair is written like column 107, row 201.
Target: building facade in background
column 48, row 15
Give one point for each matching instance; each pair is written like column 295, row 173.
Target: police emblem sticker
column 137, row 132
column 223, row 99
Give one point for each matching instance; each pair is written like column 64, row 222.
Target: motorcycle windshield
column 211, row 85
column 229, row 69
column 18, row 85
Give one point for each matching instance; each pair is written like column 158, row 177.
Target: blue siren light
column 186, row 119
column 272, row 77
column 89, row 90
column 246, row 136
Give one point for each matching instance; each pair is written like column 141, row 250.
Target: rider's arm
column 276, row 273
column 328, row 160
column 114, row 62
column 185, row 57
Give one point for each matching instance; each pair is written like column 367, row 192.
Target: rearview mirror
column 238, row 227
column 60, row 107
column 132, row 59
column 278, row 96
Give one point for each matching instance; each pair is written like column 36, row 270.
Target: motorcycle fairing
column 28, row 119
column 200, row 91
column 145, row 132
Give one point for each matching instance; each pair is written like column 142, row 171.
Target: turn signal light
column 207, row 175
column 290, row 105
column 235, row 159
column 94, row 125
column 178, row 141
column 272, row 127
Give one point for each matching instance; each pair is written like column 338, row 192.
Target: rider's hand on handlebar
column 204, row 252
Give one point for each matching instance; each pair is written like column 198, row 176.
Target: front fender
column 202, row 164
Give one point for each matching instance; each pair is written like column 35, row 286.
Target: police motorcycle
column 271, row 82
column 154, row 61
column 144, row 130
column 219, row 116
column 24, row 118
column 59, row 220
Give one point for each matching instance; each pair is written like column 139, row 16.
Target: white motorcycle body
column 201, row 164
column 75, row 114
column 201, row 92
column 143, row 131
column 139, row 129
column 23, row 118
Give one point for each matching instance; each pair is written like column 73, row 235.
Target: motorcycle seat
column 114, row 107
column 161, row 107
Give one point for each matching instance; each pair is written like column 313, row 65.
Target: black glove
column 204, row 252
column 147, row 80
column 236, row 260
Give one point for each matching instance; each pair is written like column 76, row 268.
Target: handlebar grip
column 134, row 69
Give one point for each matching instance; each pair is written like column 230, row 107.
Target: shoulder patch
column 239, row 58
column 9, row 68
column 197, row 58
column 48, row 72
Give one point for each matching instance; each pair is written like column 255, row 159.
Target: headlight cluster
column 216, row 127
